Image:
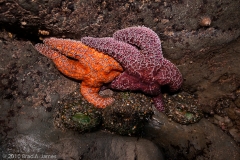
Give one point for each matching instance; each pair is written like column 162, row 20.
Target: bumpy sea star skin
column 94, row 68
column 138, row 50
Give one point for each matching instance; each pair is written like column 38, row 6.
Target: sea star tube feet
column 138, row 50
column 92, row 67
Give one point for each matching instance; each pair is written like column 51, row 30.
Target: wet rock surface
column 29, row 95
column 31, row 86
column 207, row 56
column 102, row 145
column 188, row 44
column 177, row 21
column 201, row 140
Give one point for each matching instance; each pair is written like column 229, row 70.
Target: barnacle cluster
column 77, row 114
column 182, row 108
column 129, row 114
column 126, row 116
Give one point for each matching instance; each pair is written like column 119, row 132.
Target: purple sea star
column 138, row 50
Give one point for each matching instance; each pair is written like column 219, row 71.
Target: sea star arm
column 67, row 66
column 158, row 102
column 146, row 39
column 169, row 75
column 46, row 51
column 127, row 82
column 122, row 52
column 71, row 48
column 92, row 96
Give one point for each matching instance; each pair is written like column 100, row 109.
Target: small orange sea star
column 94, row 68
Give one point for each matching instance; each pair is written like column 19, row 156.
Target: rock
column 75, row 19
column 201, row 140
column 237, row 111
column 33, row 135
column 214, row 84
column 31, row 87
column 237, row 100
column 198, row 51
column 235, row 133
column 68, row 145
column 102, row 145
column 207, row 56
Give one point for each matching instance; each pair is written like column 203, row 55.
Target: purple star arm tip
column 169, row 75
column 158, row 102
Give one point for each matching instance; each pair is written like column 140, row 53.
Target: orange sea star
column 94, row 68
